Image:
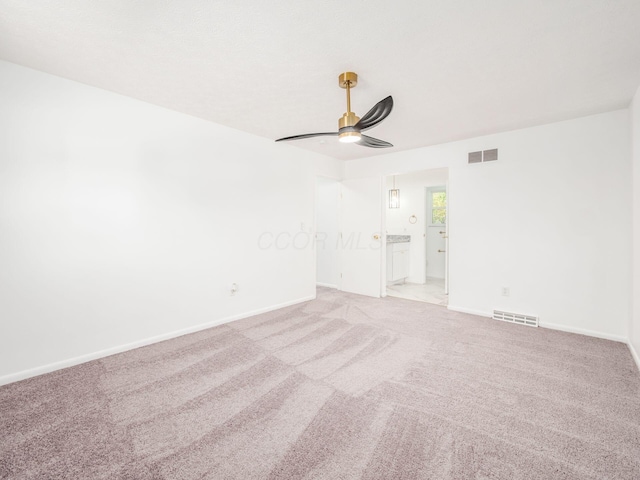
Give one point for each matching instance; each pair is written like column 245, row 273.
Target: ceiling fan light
column 349, row 137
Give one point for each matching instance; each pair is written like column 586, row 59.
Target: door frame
column 338, row 260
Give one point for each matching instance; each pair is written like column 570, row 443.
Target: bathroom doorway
column 417, row 236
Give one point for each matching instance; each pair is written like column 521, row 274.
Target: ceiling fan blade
column 379, row 112
column 367, row 141
column 308, row 135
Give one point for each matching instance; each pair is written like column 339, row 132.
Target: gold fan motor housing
column 349, row 119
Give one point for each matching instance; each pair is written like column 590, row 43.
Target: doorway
column 327, row 228
column 348, row 222
column 417, row 236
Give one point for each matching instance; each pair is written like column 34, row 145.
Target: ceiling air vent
column 515, row 318
column 485, row 156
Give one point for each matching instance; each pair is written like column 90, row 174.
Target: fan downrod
column 348, row 80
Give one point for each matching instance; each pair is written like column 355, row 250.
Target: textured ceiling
column 456, row 68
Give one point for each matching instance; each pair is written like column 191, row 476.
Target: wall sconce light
column 394, row 195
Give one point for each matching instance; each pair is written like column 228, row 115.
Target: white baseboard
column 470, row 311
column 584, row 331
column 51, row 367
column 328, row 285
column 634, row 354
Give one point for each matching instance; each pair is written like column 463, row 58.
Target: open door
column 446, row 245
column 361, row 239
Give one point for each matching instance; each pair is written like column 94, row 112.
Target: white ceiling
column 456, row 68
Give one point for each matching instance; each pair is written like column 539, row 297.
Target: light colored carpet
column 342, row 387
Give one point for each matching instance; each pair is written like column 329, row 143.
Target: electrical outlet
column 233, row 288
column 505, row 291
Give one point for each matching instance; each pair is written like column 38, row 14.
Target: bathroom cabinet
column 397, row 262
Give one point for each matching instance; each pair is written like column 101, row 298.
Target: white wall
column 549, row 220
column 634, row 323
column 327, row 231
column 121, row 221
column 413, row 200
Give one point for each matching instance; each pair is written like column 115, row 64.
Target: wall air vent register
column 483, row 156
column 518, row 318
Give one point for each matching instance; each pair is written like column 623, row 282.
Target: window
column 439, row 208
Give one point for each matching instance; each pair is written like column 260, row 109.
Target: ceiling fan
column 350, row 126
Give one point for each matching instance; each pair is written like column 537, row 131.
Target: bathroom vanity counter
column 398, row 238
